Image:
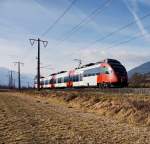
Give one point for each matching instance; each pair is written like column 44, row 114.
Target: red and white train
column 107, row 73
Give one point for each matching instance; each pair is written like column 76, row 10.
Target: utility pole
column 32, row 41
column 11, row 79
column 28, row 85
column 19, row 79
column 8, row 79
column 14, row 85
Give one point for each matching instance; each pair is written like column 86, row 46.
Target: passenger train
column 107, row 73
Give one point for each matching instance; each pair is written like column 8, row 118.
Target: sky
column 24, row 19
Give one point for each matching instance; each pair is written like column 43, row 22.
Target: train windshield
column 105, row 70
column 119, row 69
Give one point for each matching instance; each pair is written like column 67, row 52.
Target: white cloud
column 124, row 54
column 60, row 57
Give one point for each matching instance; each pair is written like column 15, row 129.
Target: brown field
column 73, row 118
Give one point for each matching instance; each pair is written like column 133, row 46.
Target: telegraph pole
column 14, row 85
column 11, row 79
column 32, row 41
column 28, row 85
column 19, row 79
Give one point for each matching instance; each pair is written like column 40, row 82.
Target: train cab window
column 106, row 72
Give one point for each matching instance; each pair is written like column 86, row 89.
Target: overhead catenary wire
column 59, row 18
column 118, row 30
column 86, row 20
column 139, row 35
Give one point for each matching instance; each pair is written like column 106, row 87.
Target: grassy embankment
column 130, row 108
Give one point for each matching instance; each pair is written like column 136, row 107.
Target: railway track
column 109, row 90
column 5, row 90
column 106, row 90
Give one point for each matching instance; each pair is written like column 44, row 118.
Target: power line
column 56, row 21
column 118, row 30
column 32, row 41
column 87, row 19
column 128, row 40
column 59, row 18
column 46, row 66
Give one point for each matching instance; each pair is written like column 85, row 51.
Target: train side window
column 74, row 78
column 71, row 78
column 41, row 82
column 66, row 79
column 51, row 81
column 59, row 80
column 92, row 72
column 46, row 82
column 77, row 78
column 62, row 79
column 81, row 77
column 85, row 75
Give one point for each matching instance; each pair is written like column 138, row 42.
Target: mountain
column 142, row 69
column 26, row 79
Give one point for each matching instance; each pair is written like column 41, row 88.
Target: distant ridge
column 141, row 69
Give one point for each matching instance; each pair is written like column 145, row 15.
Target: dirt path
column 25, row 119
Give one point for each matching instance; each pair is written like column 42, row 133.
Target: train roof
column 58, row 73
column 111, row 61
column 104, row 61
column 90, row 64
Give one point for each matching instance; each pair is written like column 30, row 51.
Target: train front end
column 119, row 73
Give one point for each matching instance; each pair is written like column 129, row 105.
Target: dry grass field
column 73, row 118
